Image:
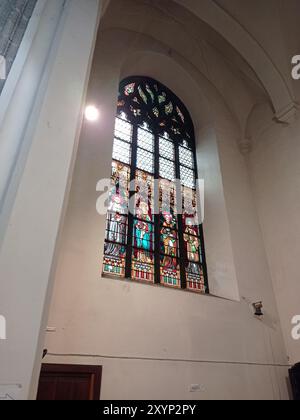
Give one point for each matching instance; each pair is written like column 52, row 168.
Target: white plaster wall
column 171, row 380
column 215, row 342
column 29, row 242
column 274, row 164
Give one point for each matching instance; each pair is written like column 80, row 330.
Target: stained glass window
column 153, row 231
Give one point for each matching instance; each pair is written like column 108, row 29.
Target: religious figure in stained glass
column 169, row 242
column 192, row 243
column 154, row 140
column 143, row 235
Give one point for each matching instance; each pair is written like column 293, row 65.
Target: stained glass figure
column 119, row 193
column 144, row 190
column 189, row 226
column 192, row 247
column 169, row 242
column 189, row 207
column 143, row 235
column 167, row 195
column 116, row 228
column 168, row 219
column 157, row 242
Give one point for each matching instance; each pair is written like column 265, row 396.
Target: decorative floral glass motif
column 129, row 89
column 151, row 237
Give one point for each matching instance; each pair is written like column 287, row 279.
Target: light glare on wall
column 92, row 113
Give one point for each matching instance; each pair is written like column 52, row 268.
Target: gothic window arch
column 153, row 232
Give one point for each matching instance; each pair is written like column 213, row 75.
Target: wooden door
column 69, row 383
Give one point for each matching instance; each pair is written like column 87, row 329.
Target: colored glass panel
column 116, row 228
column 145, row 140
column 143, row 235
column 142, row 265
column 167, row 196
column 167, row 169
column 123, row 130
column 187, row 177
column 144, row 187
column 169, row 242
column 114, row 259
column 186, row 157
column 129, row 89
column 192, row 244
column 195, row 278
column 168, row 220
column 145, row 160
column 122, row 151
column 147, row 113
column 166, row 149
column 119, row 194
column 170, row 271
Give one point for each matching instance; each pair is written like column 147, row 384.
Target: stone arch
column 126, row 54
column 252, row 52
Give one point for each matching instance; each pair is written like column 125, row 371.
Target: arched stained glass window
column 153, row 233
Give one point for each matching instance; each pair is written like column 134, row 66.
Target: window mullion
column 128, row 265
column 183, row 256
column 156, row 210
column 203, row 256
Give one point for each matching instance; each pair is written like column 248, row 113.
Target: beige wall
column 155, row 342
column 211, row 341
column 274, row 165
column 40, row 184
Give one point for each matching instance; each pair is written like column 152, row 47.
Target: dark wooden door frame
column 93, row 370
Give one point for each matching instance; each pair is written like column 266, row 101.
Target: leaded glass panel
column 152, row 228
